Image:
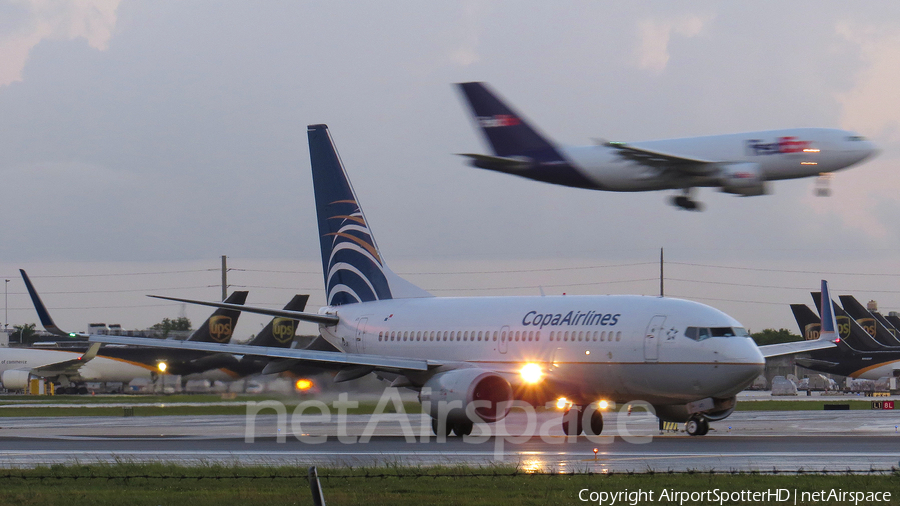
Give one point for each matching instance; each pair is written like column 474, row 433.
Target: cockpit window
column 701, row 333
column 854, row 138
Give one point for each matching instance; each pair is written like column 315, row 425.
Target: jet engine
column 451, row 392
column 15, row 379
column 745, row 179
column 720, row 410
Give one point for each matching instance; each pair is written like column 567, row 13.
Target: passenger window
column 551, row 335
column 619, row 335
column 537, row 335
column 495, row 335
column 595, row 336
column 531, row 335
column 479, row 335
column 503, row 335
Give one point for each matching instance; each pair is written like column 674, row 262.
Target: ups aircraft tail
column 43, row 314
column 219, row 327
column 808, row 321
column 279, row 332
column 869, row 322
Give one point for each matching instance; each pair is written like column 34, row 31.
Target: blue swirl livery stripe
column 351, row 263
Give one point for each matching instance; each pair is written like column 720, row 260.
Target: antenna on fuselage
column 662, row 291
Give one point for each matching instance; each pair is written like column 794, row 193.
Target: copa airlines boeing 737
column 468, row 356
column 740, row 164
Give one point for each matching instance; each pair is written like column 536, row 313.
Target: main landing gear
column 574, row 418
column 685, row 201
column 697, row 425
column 459, row 428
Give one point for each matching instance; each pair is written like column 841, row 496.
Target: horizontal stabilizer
column 499, row 163
column 294, row 315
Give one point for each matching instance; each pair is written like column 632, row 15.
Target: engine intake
column 15, row 379
column 742, row 179
column 451, row 393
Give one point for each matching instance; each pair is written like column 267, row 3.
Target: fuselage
column 780, row 154
column 614, row 347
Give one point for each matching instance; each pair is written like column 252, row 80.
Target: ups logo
column 812, row 331
column 283, row 329
column 843, row 323
column 220, row 328
column 868, row 324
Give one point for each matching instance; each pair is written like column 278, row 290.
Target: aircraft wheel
column 573, row 414
column 82, row 390
column 697, row 426
column 596, row 423
column 463, row 428
column 435, row 426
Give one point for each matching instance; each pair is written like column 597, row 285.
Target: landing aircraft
column 739, row 164
column 468, row 356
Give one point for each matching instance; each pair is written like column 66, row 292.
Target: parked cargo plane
column 467, row 356
column 740, row 164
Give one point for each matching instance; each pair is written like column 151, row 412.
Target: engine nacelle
column 15, row 379
column 720, row 410
column 742, row 179
column 451, row 392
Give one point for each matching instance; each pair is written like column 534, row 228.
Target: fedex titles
column 500, row 120
column 570, row 318
column 780, row 146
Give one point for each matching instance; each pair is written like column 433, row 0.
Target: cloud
column 873, row 105
column 37, row 20
column 655, row 35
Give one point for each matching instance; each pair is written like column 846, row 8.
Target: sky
column 143, row 140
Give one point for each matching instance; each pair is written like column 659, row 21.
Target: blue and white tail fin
column 353, row 267
column 829, row 321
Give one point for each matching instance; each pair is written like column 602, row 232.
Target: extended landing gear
column 697, row 426
column 685, row 201
column 458, row 428
column 573, row 422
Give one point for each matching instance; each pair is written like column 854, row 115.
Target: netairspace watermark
column 722, row 497
column 631, row 424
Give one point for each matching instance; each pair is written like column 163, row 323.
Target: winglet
column 91, row 352
column 829, row 322
column 41, row 309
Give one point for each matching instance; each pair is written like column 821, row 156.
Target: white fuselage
column 614, row 347
column 780, row 154
column 98, row 369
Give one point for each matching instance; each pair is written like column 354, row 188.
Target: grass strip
column 153, row 484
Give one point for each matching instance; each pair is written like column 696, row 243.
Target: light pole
column 6, row 305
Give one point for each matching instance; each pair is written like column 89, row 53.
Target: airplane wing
column 777, row 350
column 664, row 161
column 324, row 358
column 67, row 367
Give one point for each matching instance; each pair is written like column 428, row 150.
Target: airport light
column 531, row 373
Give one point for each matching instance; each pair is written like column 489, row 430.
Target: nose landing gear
column 685, row 201
column 697, row 425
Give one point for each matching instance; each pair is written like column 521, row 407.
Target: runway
column 857, row 441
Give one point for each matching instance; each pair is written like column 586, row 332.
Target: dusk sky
column 142, row 140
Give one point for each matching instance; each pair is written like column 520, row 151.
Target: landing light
column 562, row 403
column 162, row 366
column 603, row 404
column 531, row 373
column 303, row 384
column 810, row 150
